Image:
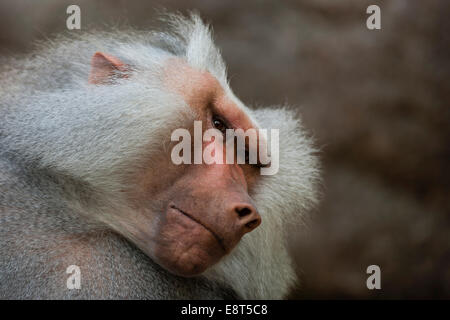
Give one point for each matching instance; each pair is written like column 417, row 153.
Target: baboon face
column 192, row 215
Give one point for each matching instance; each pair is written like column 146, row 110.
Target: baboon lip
column 220, row 240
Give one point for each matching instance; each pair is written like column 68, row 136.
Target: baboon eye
column 219, row 125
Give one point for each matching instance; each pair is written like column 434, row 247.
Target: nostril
column 248, row 218
column 244, row 211
column 252, row 224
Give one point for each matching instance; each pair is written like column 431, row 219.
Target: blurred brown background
column 377, row 103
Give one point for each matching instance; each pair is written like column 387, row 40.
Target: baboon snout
column 248, row 218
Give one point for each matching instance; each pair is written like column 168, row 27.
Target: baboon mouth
column 220, row 240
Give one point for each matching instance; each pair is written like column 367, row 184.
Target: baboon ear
column 106, row 68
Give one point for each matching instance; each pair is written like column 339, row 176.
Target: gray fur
column 66, row 149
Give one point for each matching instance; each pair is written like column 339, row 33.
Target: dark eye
column 219, row 125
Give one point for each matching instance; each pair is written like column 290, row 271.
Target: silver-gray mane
column 52, row 118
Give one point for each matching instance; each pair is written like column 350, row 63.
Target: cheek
column 214, row 152
column 252, row 175
column 153, row 186
column 183, row 246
